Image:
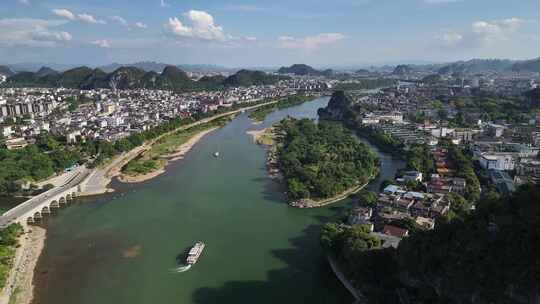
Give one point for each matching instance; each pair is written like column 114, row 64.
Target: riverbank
column 268, row 137
column 99, row 180
column 309, row 203
column 178, row 154
column 19, row 288
column 357, row 294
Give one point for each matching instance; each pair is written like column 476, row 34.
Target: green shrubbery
column 321, row 160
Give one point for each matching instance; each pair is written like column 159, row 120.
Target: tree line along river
column 123, row 247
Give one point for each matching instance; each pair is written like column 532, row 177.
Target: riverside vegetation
column 495, row 247
column 261, row 113
column 8, row 244
column 320, row 161
column 153, row 159
column 51, row 154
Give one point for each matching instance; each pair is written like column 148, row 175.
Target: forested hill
column 321, row 160
column 172, row 78
column 489, row 256
column 304, row 70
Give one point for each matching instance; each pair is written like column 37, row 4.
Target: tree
column 367, row 199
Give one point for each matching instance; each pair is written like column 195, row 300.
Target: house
column 425, row 222
column 497, row 161
column 395, row 231
column 16, row 143
column 413, row 176
column 360, row 215
column 503, row 182
column 393, row 190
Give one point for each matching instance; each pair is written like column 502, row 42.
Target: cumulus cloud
column 90, row 19
column 483, row 33
column 64, row 13
column 32, row 32
column 310, row 43
column 202, row 27
column 101, row 43
column 119, row 20
column 67, row 14
column 141, row 25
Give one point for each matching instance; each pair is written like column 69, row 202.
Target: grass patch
column 8, row 244
column 151, row 161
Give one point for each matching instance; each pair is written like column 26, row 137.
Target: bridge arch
column 45, row 210
column 62, row 200
column 37, row 216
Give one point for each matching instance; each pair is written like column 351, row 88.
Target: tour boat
column 216, row 154
column 194, row 253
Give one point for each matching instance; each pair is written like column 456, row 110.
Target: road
column 15, row 213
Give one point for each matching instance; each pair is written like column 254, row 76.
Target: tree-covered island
column 321, row 162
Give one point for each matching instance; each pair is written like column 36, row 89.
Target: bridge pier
column 30, row 220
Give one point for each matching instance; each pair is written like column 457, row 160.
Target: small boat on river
column 194, row 253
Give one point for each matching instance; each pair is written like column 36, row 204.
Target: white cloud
column 64, row 13
column 119, row 20
column 141, row 25
column 67, row 14
column 483, row 33
column 101, row 43
column 25, row 2
column 310, row 43
column 202, row 27
column 90, row 19
column 32, row 32
column 163, row 3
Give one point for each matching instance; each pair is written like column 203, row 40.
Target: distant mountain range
column 157, row 67
column 6, row 71
column 304, row 70
column 474, row 66
column 171, row 78
column 147, row 66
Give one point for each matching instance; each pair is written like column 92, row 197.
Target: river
column 122, row 247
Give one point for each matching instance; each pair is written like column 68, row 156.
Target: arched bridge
column 35, row 208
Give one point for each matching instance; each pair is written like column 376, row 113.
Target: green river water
column 123, row 247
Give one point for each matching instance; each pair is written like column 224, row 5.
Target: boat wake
column 181, row 269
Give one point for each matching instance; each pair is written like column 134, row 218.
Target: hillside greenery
column 304, row 70
column 486, row 256
column 322, row 160
column 126, row 77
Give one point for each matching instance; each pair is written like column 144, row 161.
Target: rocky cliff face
column 339, row 107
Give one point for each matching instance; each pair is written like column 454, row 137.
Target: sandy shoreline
column 179, row 153
column 100, row 179
column 19, row 287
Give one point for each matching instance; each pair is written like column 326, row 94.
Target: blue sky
column 267, row 33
